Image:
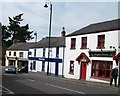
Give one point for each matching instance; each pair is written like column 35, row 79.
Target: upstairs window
column 73, row 43
column 84, row 43
column 9, row 53
column 43, row 52
column 21, row 54
column 57, row 52
column 101, row 41
column 14, row 53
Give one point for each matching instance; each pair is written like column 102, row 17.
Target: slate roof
column 98, row 27
column 21, row 46
column 54, row 42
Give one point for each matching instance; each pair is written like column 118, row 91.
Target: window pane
column 101, row 69
column 73, row 43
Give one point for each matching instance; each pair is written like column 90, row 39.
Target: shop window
column 101, row 41
column 10, row 53
column 73, row 43
column 84, row 43
column 101, row 69
column 21, row 54
column 71, row 71
column 14, row 53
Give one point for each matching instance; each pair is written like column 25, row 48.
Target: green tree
column 19, row 33
column 14, row 32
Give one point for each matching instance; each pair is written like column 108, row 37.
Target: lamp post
column 35, row 42
column 46, row 6
column 35, row 36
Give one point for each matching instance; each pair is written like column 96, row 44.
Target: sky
column 71, row 15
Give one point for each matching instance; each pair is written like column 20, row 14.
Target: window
column 34, row 65
column 21, row 54
column 73, row 43
column 57, row 52
column 71, row 67
column 14, row 53
column 101, row 69
column 84, row 43
column 9, row 53
column 43, row 52
column 101, row 41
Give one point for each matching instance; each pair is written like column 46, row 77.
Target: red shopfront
column 101, row 68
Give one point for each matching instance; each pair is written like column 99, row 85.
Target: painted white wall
column 39, row 53
column 25, row 56
column 111, row 39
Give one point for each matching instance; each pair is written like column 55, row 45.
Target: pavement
column 88, row 83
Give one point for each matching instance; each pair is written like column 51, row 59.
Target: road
column 41, row 84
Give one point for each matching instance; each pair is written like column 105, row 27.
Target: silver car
column 10, row 69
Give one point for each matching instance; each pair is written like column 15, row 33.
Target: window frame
column 73, row 43
column 9, row 53
column 14, row 54
column 71, row 68
column 83, row 42
column 20, row 54
column 101, row 41
column 102, row 71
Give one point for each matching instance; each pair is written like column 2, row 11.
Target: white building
column 90, row 51
column 17, row 54
column 38, row 55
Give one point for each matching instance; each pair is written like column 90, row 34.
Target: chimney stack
column 63, row 32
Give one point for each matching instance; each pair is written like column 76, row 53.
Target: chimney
column 14, row 41
column 63, row 32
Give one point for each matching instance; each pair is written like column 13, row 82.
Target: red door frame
column 83, row 68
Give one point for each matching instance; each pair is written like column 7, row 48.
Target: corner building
column 92, row 50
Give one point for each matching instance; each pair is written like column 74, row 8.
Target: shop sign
column 46, row 59
column 102, row 54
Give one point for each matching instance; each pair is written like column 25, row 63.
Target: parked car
column 23, row 69
column 10, row 69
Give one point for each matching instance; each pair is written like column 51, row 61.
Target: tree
column 19, row 33
column 15, row 32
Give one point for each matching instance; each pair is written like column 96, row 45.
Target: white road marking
column 31, row 80
column 65, row 88
column 6, row 90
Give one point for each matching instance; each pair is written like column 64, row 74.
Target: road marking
column 64, row 88
column 31, row 80
column 7, row 91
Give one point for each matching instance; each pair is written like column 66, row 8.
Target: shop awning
column 82, row 57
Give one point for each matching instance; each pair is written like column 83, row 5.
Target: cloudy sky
column 71, row 15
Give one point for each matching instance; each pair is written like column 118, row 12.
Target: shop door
column 83, row 70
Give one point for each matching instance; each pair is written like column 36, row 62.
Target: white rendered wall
column 111, row 39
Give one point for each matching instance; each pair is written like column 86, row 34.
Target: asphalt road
column 41, row 84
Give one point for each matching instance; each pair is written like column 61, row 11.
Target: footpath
column 88, row 83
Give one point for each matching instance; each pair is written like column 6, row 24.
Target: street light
column 35, row 36
column 46, row 6
column 35, row 42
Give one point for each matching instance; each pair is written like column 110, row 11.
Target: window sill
column 100, row 47
column 71, row 73
column 83, row 48
column 72, row 48
column 100, row 78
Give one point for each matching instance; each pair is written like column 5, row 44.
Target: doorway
column 83, row 70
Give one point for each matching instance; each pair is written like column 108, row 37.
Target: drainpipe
column 63, row 62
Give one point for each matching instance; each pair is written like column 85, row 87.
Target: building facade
column 91, row 51
column 17, row 54
column 43, row 59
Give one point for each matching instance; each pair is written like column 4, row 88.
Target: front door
column 83, row 70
